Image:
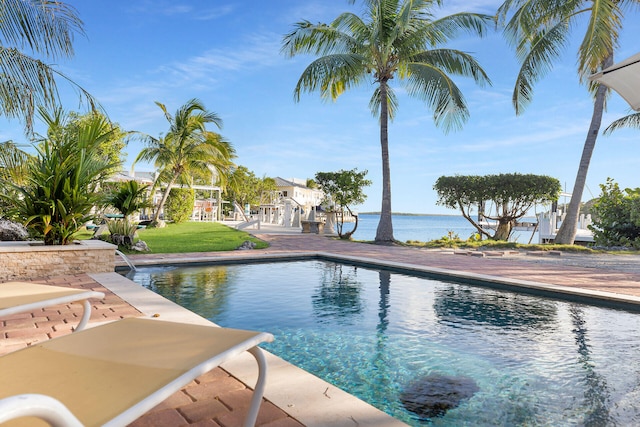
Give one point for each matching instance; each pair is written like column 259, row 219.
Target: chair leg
column 258, row 390
column 85, row 316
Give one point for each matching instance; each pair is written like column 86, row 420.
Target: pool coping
column 302, row 395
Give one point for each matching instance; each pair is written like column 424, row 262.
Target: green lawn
column 195, row 237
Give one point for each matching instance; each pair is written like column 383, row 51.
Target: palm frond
column 444, row 29
column 630, row 121
column 392, row 103
column 601, row 37
column 537, row 60
column 332, row 75
column 44, row 27
column 440, row 93
column 321, row 39
column 452, row 61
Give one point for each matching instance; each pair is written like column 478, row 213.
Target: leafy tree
column 540, row 30
column 61, row 187
column 512, row 195
column 30, row 29
column 112, row 148
column 344, row 189
column 188, row 149
column 129, row 198
column 616, row 216
column 180, row 204
column 394, row 39
column 245, row 187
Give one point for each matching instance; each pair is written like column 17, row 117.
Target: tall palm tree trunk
column 384, row 233
column 567, row 232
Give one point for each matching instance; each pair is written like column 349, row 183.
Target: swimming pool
column 378, row 334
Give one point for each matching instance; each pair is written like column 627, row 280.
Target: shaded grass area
column 195, row 237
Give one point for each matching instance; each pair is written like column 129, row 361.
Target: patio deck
column 220, row 398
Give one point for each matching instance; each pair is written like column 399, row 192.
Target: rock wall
column 32, row 260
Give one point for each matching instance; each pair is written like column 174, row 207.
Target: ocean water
column 425, row 228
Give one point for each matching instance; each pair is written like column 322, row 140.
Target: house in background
column 296, row 189
column 291, row 203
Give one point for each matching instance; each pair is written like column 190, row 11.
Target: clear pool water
column 535, row 361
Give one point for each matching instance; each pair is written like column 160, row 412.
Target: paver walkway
column 218, row 399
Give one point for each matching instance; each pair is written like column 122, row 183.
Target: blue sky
column 227, row 54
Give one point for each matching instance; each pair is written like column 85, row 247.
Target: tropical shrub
column 128, row 198
column 616, row 216
column 61, row 185
column 122, row 232
column 179, row 206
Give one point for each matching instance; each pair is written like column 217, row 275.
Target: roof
column 281, row 182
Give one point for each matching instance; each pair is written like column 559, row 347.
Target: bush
column 179, row 206
column 60, row 188
column 616, row 216
column 122, row 232
column 128, row 198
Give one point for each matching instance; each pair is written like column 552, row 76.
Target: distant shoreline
column 407, row 214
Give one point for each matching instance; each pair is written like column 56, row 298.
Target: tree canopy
column 343, row 189
column 512, row 196
column 245, row 187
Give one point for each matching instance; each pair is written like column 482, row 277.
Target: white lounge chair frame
column 112, row 374
column 19, row 297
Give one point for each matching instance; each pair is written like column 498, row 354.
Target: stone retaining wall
column 30, row 260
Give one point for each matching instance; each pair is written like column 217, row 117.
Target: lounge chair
column 18, row 297
column 111, row 374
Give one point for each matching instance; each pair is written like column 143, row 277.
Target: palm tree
column 188, row 150
column 45, row 29
column 394, row 39
column 539, row 31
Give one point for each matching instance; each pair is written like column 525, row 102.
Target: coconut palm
column 188, row 150
column 540, row 30
column 45, row 30
column 393, row 39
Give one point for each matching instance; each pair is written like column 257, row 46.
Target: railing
column 248, row 224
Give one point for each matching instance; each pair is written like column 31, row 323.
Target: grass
column 195, row 237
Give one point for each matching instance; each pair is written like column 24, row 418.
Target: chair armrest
column 37, row 405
